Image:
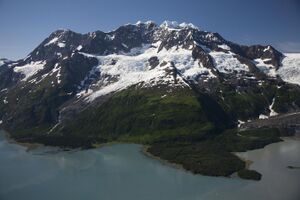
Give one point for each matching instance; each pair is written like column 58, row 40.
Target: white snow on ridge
column 1, row 63
column 224, row 46
column 268, row 69
column 211, row 36
column 173, row 25
column 141, row 22
column 290, row 69
column 227, row 63
column 30, row 69
column 54, row 40
column 133, row 68
column 267, row 48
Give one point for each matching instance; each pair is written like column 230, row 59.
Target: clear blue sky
column 25, row 23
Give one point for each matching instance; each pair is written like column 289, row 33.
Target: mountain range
column 143, row 82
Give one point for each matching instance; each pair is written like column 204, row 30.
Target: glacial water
column 123, row 172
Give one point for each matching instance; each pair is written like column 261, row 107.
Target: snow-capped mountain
column 70, row 72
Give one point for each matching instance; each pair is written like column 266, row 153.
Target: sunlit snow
column 30, row 69
column 61, row 45
column 54, row 40
column 272, row 113
column 133, row 67
column 227, row 63
column 268, row 69
column 290, row 69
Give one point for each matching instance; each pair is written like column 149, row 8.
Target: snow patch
column 268, row 69
column 3, row 90
column 61, row 45
column 30, row 69
column 211, row 36
column 240, row 122
column 59, row 55
column 262, row 116
column 54, row 40
column 124, row 45
column 79, row 48
column 5, row 100
column 224, row 46
column 110, row 37
column 267, row 49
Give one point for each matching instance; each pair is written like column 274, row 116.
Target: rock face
column 168, row 68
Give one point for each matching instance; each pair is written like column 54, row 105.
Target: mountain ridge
column 70, row 71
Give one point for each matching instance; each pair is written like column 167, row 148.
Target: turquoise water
column 123, row 172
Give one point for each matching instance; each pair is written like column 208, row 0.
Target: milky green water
column 122, row 172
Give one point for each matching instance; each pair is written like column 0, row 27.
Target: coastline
column 28, row 146
column 178, row 166
column 162, row 161
column 144, row 150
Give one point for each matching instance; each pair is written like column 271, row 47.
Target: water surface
column 122, row 172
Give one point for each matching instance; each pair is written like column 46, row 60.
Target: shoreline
column 28, row 146
column 180, row 167
column 162, row 161
column 144, row 151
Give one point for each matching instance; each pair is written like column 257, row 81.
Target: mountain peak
column 146, row 23
column 176, row 25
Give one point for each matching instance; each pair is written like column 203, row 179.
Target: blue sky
column 25, row 23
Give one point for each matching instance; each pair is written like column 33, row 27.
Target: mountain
column 173, row 86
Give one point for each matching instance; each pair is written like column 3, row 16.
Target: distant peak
column 62, row 31
column 146, row 23
column 176, row 25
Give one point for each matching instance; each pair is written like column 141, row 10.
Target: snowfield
column 133, row 67
column 290, row 69
column 227, row 63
